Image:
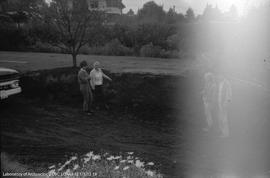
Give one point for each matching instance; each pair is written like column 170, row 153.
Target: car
column 9, row 83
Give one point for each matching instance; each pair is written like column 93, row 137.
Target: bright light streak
column 242, row 5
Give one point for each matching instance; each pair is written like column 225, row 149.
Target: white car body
column 9, row 83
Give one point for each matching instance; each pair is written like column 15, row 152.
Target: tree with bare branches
column 74, row 24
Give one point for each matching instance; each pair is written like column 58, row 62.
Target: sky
column 197, row 5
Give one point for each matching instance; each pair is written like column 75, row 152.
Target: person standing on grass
column 209, row 96
column 224, row 100
column 85, row 88
column 96, row 76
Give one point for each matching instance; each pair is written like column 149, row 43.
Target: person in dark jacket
column 85, row 88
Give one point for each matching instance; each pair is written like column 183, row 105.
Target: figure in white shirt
column 224, row 100
column 96, row 76
column 209, row 96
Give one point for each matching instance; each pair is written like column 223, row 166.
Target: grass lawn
column 27, row 61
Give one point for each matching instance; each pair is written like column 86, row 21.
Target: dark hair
column 83, row 64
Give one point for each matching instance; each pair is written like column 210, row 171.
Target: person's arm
column 229, row 92
column 220, row 96
column 106, row 77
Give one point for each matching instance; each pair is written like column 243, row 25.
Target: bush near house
column 112, row 48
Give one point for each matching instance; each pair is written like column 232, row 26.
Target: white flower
column 113, row 158
column 117, row 157
column 53, row 166
column 73, row 158
column 149, row 173
column 86, row 160
column 76, row 167
column 88, row 157
column 52, row 172
column 96, row 157
column 90, row 154
column 126, row 168
column 129, row 157
column 67, row 163
column 68, row 171
column 130, row 161
column 117, row 167
column 150, row 164
column 123, row 161
column 110, row 158
column 130, row 153
column 139, row 164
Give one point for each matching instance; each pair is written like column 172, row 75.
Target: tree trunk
column 74, row 60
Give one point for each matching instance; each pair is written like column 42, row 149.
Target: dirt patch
column 158, row 117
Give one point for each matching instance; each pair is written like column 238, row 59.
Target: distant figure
column 83, row 79
column 224, row 100
column 266, row 63
column 209, row 96
column 97, row 76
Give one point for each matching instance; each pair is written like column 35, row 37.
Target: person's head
column 209, row 77
column 96, row 65
column 83, row 64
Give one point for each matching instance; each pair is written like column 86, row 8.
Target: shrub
column 14, row 39
column 45, row 47
column 173, row 41
column 169, row 54
column 86, row 50
column 155, row 33
column 115, row 47
column 150, row 50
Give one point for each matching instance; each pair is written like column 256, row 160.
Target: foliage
column 190, row 15
column 45, row 47
column 12, row 38
column 151, row 12
column 34, row 25
column 149, row 50
column 112, row 48
column 116, row 48
column 154, row 33
column 74, row 23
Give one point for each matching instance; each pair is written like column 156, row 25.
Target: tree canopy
column 74, row 24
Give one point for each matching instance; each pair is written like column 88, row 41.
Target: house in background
column 113, row 7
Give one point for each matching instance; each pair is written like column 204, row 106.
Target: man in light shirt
column 209, row 96
column 224, row 100
column 96, row 76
